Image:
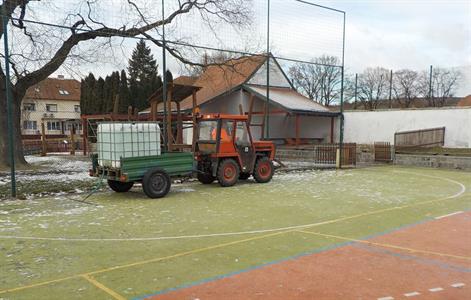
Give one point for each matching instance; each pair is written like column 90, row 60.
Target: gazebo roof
column 182, row 87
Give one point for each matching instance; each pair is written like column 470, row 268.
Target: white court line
column 449, row 215
column 437, row 289
column 458, row 285
column 411, row 294
column 386, row 298
column 458, row 194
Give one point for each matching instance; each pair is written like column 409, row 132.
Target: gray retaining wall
column 434, row 161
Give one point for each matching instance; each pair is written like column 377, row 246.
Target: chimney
column 60, row 76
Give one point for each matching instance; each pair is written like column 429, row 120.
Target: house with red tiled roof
column 278, row 113
column 54, row 102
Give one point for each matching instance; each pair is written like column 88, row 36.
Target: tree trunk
column 4, row 145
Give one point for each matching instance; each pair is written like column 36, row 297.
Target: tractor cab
column 226, row 140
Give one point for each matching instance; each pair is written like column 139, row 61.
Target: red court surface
column 431, row 260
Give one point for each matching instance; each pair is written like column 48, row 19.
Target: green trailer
column 154, row 172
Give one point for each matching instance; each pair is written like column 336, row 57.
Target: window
column 242, row 134
column 30, row 125
column 227, row 128
column 63, row 92
column 77, row 108
column 29, row 107
column 51, row 107
column 207, row 130
column 53, row 125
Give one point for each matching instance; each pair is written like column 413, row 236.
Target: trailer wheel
column 244, row 176
column 205, row 178
column 156, row 183
column 263, row 170
column 228, row 172
column 120, row 187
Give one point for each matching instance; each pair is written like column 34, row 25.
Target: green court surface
column 127, row 246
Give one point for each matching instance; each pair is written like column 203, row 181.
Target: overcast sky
column 394, row 34
column 412, row 33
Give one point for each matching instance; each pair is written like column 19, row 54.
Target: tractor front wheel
column 228, row 172
column 263, row 170
column 120, row 187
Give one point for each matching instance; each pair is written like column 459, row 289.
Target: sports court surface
column 373, row 233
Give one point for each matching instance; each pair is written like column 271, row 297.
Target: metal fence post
column 341, row 94
column 267, row 109
column 11, row 139
column 164, row 87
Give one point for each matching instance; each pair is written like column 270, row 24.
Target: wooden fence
column 382, row 151
column 322, row 154
column 31, row 147
column 430, row 137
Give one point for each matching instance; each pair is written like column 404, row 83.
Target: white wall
column 367, row 127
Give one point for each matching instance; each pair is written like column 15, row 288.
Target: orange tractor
column 225, row 151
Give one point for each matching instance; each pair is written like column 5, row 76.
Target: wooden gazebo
column 177, row 90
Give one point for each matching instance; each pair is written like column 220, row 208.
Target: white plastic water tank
column 126, row 139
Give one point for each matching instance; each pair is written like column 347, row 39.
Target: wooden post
column 179, row 125
column 241, row 109
column 153, row 111
column 332, row 130
column 72, row 140
column 263, row 121
column 195, row 129
column 297, row 119
column 85, row 135
column 169, row 119
column 43, row 140
column 251, row 101
column 130, row 113
column 116, row 104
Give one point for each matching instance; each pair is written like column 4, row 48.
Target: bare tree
column 373, row 86
column 39, row 50
column 319, row 80
column 406, row 86
column 443, row 85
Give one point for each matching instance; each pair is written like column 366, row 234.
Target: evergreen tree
column 107, row 104
column 124, row 99
column 99, row 93
column 91, row 95
column 143, row 73
column 87, row 96
column 83, row 97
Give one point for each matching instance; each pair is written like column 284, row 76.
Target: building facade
column 54, row 102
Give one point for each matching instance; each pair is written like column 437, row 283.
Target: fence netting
column 217, row 44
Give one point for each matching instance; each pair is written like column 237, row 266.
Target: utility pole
column 11, row 139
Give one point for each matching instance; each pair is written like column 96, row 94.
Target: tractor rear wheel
column 264, row 170
column 228, row 172
column 205, row 178
column 156, row 183
column 120, row 187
